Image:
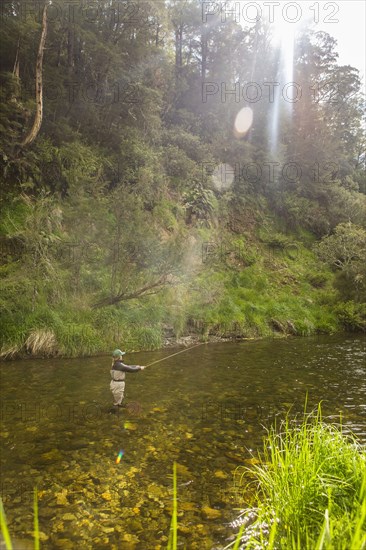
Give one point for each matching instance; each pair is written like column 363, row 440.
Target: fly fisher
column 118, row 374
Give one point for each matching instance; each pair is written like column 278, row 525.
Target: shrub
column 351, row 315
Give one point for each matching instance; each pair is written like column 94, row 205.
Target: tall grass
column 4, row 526
column 311, row 483
column 173, row 535
column 36, row 524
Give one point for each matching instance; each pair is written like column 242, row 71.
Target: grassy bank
column 239, row 313
column 250, row 303
column 245, row 286
column 310, row 490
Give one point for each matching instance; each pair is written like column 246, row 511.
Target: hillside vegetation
column 132, row 211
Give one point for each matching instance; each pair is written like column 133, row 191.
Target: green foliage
column 78, row 339
column 13, row 116
column 302, row 212
column 166, row 214
column 200, row 203
column 345, row 251
column 111, row 203
column 304, row 326
column 318, row 280
column 351, row 315
column 308, row 474
column 277, row 241
column 346, row 247
column 148, row 338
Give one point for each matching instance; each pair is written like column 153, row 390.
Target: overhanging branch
column 143, row 291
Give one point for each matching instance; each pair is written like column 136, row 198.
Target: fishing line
column 173, row 354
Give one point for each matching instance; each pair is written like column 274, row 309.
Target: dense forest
column 161, row 176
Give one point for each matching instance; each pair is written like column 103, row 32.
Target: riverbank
column 268, row 283
column 168, row 343
column 259, row 297
column 171, row 343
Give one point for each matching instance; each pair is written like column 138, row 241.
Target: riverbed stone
column 220, row 474
column 210, row 513
column 65, row 544
column 61, row 499
column 53, row 455
column 46, row 512
column 69, row 517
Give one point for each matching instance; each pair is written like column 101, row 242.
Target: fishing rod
column 173, row 354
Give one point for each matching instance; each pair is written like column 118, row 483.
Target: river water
column 206, row 409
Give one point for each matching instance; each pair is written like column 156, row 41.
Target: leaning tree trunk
column 16, row 71
column 33, row 133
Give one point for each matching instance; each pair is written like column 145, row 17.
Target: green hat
column 118, row 352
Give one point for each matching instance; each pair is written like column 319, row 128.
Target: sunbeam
column 284, row 34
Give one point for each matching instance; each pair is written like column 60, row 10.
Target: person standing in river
column 118, row 374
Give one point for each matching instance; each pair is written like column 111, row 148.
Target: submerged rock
column 64, row 544
column 69, row 517
column 61, row 498
column 210, row 513
column 220, row 474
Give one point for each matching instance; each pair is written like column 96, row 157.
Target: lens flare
column 243, row 122
column 120, row 455
column 286, row 28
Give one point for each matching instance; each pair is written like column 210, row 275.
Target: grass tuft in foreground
column 310, row 490
column 4, row 526
column 173, row 535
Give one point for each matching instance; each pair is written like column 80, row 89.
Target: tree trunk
column 203, row 52
column 33, row 133
column 16, row 62
column 178, row 49
column 151, row 288
column 70, row 46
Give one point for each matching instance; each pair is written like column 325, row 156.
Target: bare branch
column 143, row 291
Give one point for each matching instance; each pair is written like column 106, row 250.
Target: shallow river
column 206, row 409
